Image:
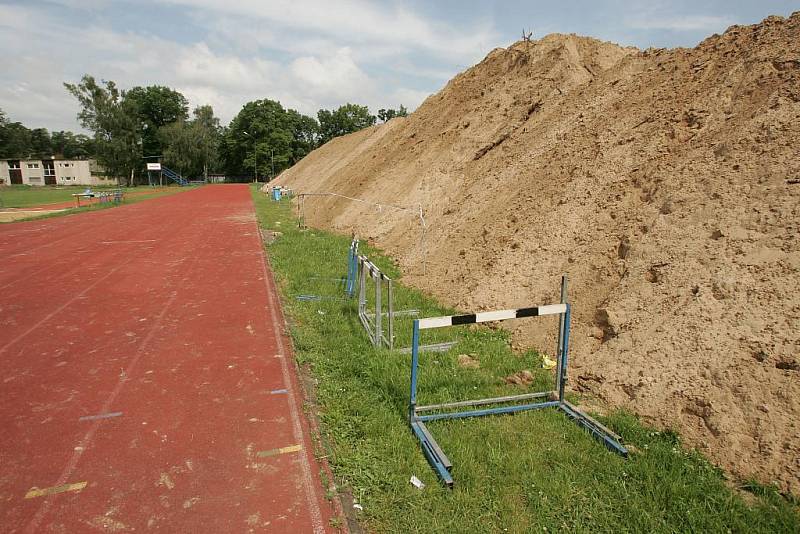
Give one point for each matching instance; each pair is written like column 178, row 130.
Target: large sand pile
column 664, row 182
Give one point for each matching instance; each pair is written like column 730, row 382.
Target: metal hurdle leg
column 390, row 317
column 560, row 374
column 352, row 268
column 412, row 405
column 434, row 454
column 611, row 440
column 378, row 314
column 362, row 298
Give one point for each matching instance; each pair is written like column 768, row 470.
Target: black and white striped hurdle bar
column 452, row 320
column 373, row 270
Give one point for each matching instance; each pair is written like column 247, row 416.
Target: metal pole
column 391, row 315
column 362, row 289
column 255, row 161
column 272, row 152
column 560, row 370
column 414, row 362
column 564, row 356
column 378, row 326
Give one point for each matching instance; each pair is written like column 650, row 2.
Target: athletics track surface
column 145, row 379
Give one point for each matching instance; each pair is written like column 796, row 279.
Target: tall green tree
column 346, row 119
column 264, row 138
column 305, row 132
column 15, row 140
column 41, row 145
column 191, row 147
column 386, row 115
column 209, row 138
column 114, row 121
column 155, row 107
column 3, row 132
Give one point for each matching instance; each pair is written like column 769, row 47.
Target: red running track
column 146, row 382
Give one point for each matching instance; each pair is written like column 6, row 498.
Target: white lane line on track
column 60, row 308
column 85, row 442
column 297, row 429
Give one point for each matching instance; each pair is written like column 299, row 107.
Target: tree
column 18, row 141
column 114, row 121
column 265, row 138
column 306, row 135
column 15, row 140
column 156, row 106
column 41, row 146
column 385, row 115
column 3, row 132
column 209, row 137
column 346, row 119
column 180, row 152
column 191, row 147
column 71, row 146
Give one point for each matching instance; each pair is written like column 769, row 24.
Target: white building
column 53, row 172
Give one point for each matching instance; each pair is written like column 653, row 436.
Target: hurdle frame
column 373, row 323
column 528, row 401
column 352, row 268
column 349, row 279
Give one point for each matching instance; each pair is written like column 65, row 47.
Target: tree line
column 147, row 124
column 16, row 140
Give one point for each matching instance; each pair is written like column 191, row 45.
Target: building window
column 33, row 165
column 35, row 178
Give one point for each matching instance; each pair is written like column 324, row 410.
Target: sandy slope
column 662, row 181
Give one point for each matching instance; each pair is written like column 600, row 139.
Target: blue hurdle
column 529, row 401
column 349, row 279
column 352, row 268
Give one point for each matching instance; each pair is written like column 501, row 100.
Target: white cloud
column 392, row 28
column 307, row 55
column 410, row 98
column 336, row 76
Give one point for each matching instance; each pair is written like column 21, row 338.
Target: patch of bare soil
column 13, row 214
column 665, row 183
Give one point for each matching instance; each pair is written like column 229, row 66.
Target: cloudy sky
column 308, row 54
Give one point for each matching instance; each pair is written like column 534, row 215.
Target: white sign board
column 153, row 166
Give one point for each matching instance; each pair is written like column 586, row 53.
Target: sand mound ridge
column 664, row 182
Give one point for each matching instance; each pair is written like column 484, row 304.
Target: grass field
column 23, row 196
column 530, row 472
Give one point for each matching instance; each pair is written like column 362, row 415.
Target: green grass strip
column 529, row 472
column 128, row 199
column 25, row 196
